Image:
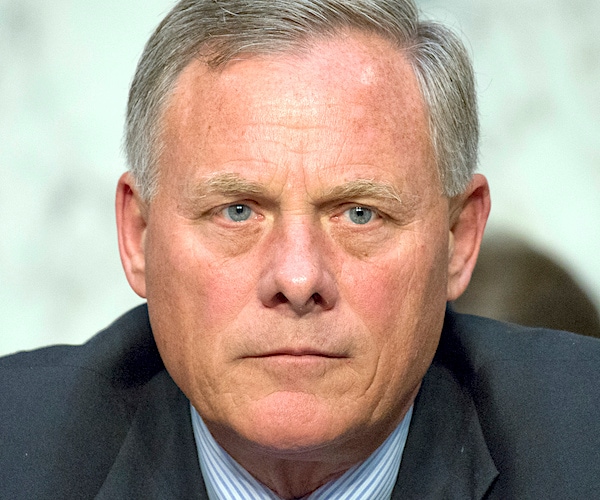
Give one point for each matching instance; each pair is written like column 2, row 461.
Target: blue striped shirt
column 374, row 478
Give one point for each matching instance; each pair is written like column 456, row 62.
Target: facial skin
column 298, row 325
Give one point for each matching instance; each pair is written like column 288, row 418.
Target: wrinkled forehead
column 359, row 89
column 342, row 71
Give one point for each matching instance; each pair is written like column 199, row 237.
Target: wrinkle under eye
column 360, row 215
column 238, row 212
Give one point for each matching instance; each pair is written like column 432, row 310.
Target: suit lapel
column 158, row 458
column 446, row 455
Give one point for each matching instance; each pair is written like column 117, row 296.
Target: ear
column 131, row 228
column 468, row 215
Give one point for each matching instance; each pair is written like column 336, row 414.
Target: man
column 300, row 206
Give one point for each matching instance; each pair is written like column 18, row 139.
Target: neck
column 291, row 479
column 296, row 473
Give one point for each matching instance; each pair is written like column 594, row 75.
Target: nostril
column 280, row 298
column 317, row 299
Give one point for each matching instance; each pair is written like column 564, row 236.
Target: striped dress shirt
column 374, row 478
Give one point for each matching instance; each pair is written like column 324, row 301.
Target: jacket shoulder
column 486, row 340
column 65, row 409
column 537, row 395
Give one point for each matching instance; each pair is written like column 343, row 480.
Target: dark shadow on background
column 516, row 283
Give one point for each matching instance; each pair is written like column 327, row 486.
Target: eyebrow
column 365, row 188
column 226, row 184
column 233, row 185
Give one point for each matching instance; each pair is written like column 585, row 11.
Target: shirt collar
column 374, row 478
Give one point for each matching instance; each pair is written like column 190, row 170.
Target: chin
column 293, row 423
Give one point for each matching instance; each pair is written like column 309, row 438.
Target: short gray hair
column 218, row 30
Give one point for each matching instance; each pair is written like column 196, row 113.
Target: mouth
column 295, row 367
column 300, row 353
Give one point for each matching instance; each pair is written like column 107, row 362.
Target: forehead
column 352, row 99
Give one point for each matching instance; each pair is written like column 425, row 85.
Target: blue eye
column 360, row 215
column 238, row 212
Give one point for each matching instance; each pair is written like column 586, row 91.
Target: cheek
column 192, row 294
column 193, row 298
column 396, row 296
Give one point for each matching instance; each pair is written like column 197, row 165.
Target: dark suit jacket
column 504, row 413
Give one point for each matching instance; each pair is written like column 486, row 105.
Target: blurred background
column 65, row 68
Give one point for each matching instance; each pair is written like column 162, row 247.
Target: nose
column 298, row 273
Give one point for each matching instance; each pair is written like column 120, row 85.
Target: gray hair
column 219, row 30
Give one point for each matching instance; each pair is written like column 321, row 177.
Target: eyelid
column 343, row 208
column 363, row 207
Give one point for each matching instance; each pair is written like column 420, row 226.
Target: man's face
column 295, row 259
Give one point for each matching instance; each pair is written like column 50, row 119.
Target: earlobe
column 131, row 228
column 469, row 214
